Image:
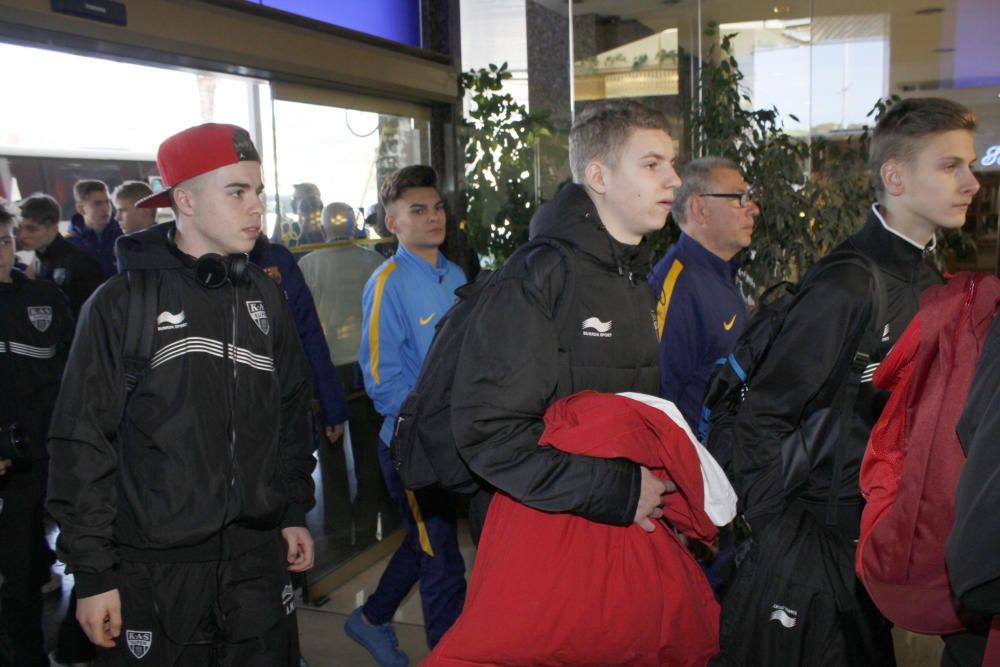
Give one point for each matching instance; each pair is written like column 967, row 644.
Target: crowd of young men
column 181, row 541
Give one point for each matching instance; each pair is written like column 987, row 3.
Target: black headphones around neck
column 214, row 270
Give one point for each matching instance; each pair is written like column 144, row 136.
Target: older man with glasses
column 700, row 311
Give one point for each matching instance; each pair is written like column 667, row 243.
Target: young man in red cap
column 182, row 501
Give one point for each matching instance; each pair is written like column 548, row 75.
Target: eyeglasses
column 744, row 197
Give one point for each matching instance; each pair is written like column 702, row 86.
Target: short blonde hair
column 600, row 131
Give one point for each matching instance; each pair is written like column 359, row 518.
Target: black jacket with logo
column 72, row 269
column 808, row 361
column 210, row 453
column 36, row 329
column 510, row 364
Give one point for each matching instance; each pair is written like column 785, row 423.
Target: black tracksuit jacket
column 510, row 363
column 808, row 362
column 36, row 329
column 72, row 269
column 211, row 452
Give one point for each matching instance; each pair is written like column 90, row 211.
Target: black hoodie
column 510, row 362
column 210, row 453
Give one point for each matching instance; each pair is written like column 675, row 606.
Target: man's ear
column 595, row 177
column 696, row 210
column 79, row 207
column 184, row 200
column 390, row 222
column 891, row 173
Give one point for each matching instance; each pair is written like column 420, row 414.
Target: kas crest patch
column 59, row 276
column 259, row 316
column 139, row 642
column 40, row 316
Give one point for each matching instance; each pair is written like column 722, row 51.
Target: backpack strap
column 140, row 324
column 847, row 395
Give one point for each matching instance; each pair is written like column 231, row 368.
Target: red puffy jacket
column 558, row 589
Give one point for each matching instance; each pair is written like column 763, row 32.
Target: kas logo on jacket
column 40, row 316
column 259, row 316
column 139, row 642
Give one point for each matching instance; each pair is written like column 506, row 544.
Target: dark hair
column 907, row 124
column 132, row 191
column 398, row 182
column 308, row 205
column 86, row 187
column 8, row 215
column 41, row 208
column 601, row 130
column 697, row 177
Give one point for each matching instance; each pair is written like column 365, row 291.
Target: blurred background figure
column 75, row 271
column 92, row 228
column 130, row 218
column 293, row 228
column 338, row 222
column 336, row 277
column 309, row 210
column 375, row 229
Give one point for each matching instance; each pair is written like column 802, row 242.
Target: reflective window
column 323, row 155
column 327, row 165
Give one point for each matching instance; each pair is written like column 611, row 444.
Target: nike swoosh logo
column 729, row 325
column 425, row 320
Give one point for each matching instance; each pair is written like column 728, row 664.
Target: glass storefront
column 821, row 64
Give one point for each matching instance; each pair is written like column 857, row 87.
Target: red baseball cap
column 196, row 151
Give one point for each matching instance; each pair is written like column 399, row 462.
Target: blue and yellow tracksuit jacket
column 402, row 302
column 700, row 314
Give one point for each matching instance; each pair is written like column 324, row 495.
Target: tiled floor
column 321, row 629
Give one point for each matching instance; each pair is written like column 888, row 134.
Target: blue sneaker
column 379, row 640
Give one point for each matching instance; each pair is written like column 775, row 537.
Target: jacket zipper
column 232, row 393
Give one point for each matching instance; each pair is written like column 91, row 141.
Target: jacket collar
column 892, row 251
column 439, row 271
column 698, row 254
column 57, row 247
column 925, row 249
column 79, row 228
column 572, row 217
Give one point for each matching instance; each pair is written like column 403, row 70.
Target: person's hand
column 333, row 433
column 100, row 616
column 4, row 464
column 300, row 548
column 651, row 499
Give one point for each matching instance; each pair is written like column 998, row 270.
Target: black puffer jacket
column 511, row 362
column 808, row 362
column 211, row 452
